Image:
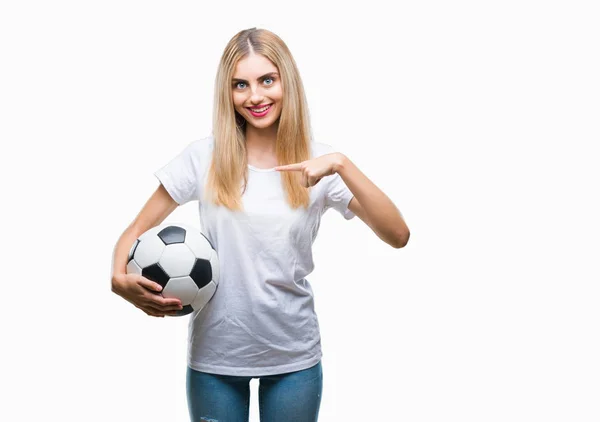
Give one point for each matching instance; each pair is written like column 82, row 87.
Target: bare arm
column 154, row 212
column 375, row 207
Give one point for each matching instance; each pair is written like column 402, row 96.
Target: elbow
column 401, row 239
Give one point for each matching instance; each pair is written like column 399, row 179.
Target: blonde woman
column 262, row 184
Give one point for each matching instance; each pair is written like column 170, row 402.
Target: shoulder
column 202, row 147
column 198, row 152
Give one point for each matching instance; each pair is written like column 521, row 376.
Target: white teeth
column 260, row 109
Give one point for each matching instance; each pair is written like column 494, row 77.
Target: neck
column 261, row 140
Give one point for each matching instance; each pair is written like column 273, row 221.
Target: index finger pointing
column 297, row 166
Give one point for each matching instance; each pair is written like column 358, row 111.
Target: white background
column 478, row 119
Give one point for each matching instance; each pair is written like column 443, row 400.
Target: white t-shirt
column 261, row 319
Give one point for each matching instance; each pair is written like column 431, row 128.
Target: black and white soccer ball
column 179, row 258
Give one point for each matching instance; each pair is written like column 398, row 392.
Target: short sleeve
column 337, row 194
column 180, row 176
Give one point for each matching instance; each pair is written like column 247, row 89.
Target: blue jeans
column 290, row 397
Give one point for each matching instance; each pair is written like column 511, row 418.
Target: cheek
column 237, row 101
column 278, row 95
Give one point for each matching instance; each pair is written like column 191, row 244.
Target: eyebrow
column 258, row 79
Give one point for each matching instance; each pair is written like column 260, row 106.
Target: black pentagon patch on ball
column 201, row 273
column 187, row 309
column 132, row 251
column 172, row 234
column 155, row 273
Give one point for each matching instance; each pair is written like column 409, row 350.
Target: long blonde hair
column 229, row 159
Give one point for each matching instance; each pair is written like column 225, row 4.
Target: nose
column 256, row 96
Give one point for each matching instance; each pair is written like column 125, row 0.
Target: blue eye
column 236, row 85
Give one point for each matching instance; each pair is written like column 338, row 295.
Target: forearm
column 381, row 212
column 121, row 252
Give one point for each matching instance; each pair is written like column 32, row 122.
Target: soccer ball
column 179, row 258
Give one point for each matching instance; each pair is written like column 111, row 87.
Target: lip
column 264, row 113
column 260, row 106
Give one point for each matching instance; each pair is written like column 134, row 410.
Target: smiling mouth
column 260, row 110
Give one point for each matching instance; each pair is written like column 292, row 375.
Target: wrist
column 117, row 282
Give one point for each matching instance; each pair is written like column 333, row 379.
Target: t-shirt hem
column 256, row 371
column 348, row 214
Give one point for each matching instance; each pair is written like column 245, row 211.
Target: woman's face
column 256, row 84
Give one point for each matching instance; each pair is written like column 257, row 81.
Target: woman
column 262, row 185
